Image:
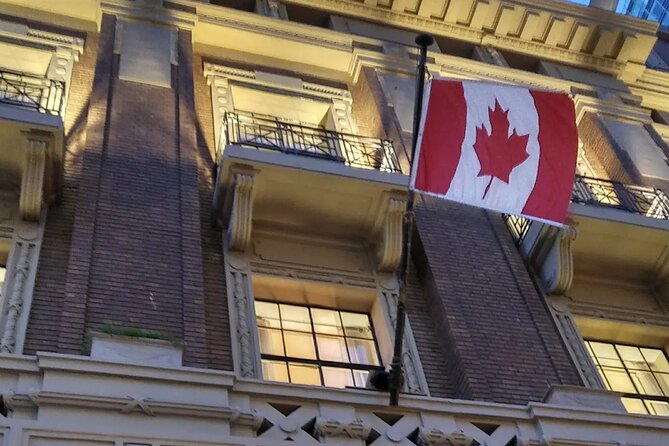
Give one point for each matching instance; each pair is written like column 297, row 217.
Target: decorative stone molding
column 548, row 250
column 272, row 8
column 244, row 327
column 32, row 180
column 327, row 427
column 241, row 213
column 414, row 379
column 390, row 244
column 574, row 342
column 19, row 282
column 19, row 276
column 436, row 437
column 571, row 34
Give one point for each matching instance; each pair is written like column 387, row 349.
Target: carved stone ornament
column 32, row 180
column 436, row 437
column 551, row 255
column 19, row 275
column 244, row 335
column 356, row 429
column 409, row 359
column 390, row 245
column 575, row 343
column 241, row 213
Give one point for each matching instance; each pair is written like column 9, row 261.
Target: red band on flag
column 557, row 137
column 444, row 127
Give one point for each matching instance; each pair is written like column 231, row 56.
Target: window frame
column 641, row 397
column 318, row 362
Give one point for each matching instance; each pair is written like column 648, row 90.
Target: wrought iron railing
column 648, row 201
column 32, row 92
column 270, row 133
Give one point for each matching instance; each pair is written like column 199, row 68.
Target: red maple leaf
column 498, row 152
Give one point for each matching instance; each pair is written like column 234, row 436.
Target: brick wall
column 600, row 149
column 496, row 336
column 216, row 308
column 45, row 315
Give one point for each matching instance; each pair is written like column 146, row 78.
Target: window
column 640, row 373
column 317, row 346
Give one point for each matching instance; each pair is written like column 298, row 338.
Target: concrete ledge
column 135, row 350
column 583, row 397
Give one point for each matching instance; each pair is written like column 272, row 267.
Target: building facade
column 201, row 218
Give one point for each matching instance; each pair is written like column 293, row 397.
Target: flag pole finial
column 395, row 378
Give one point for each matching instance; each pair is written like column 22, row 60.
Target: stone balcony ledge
column 69, row 396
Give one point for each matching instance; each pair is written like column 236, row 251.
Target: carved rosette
column 244, row 335
column 356, row 429
column 390, row 246
column 241, row 214
column 32, row 181
column 16, row 296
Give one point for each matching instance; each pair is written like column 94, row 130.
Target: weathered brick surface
column 72, row 320
column 194, row 329
column 216, row 307
column 497, row 338
column 606, row 159
column 44, row 324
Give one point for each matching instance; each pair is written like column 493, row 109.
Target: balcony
column 271, row 133
column 621, row 234
column 31, row 131
column 611, row 195
column 305, row 178
column 32, row 92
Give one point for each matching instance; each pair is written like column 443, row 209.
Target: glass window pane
column 304, row 374
column 645, row 383
column 267, row 314
column 299, row 345
column 360, row 377
column 657, row 407
column 657, row 359
column 356, row 325
column 606, row 355
column 619, row 380
column 663, row 379
column 335, row 377
column 331, row 348
column 275, row 371
column 634, row 405
column 632, row 357
column 362, row 352
column 601, row 375
column 295, row 318
column 326, row 321
column 270, row 341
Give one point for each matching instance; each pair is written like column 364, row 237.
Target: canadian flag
column 505, row 148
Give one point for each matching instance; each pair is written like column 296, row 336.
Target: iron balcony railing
column 32, row 92
column 649, row 201
column 271, row 133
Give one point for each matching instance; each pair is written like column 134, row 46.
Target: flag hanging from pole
column 505, row 148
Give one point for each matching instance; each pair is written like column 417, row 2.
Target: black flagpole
column 395, row 378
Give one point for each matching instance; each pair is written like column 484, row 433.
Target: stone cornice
column 578, row 34
column 151, row 11
column 38, row 36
